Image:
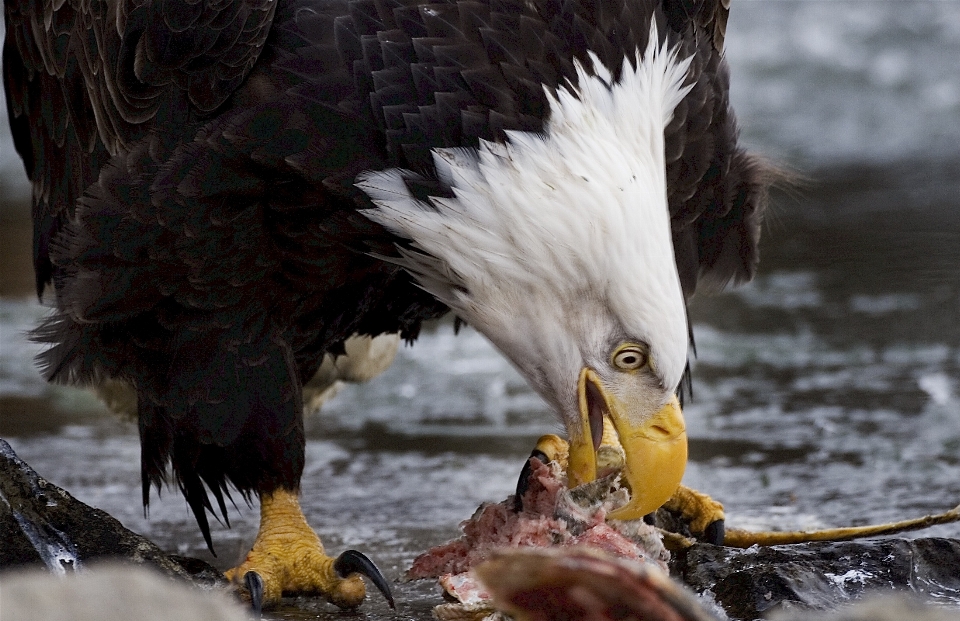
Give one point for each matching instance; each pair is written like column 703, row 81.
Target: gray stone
column 752, row 583
column 110, row 593
column 899, row 607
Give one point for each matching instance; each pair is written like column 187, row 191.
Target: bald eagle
column 225, row 191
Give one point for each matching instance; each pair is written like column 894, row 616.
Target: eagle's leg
column 288, row 557
column 703, row 514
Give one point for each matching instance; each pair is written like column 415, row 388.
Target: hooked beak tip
column 655, row 449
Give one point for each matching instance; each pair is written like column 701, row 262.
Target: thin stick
column 744, row 539
column 736, row 538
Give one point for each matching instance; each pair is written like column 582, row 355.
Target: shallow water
column 825, row 392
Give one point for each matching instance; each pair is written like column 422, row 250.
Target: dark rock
column 751, row 583
column 41, row 524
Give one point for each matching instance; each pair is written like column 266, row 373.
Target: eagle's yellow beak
column 655, row 448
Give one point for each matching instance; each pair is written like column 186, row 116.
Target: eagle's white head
column 558, row 248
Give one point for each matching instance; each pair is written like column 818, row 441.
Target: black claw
column 353, row 562
column 714, row 533
column 254, row 584
column 523, row 483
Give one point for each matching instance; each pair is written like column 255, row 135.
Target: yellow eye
column 630, row 357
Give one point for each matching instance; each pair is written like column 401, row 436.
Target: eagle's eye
column 630, row 357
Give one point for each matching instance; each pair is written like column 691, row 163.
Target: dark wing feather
column 717, row 192
column 709, row 16
column 209, row 262
column 85, row 79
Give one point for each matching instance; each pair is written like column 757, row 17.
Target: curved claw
column 353, row 562
column 714, row 533
column 523, row 483
column 254, row 583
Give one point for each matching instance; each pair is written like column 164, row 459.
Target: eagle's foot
column 549, row 448
column 610, row 457
column 704, row 515
column 288, row 557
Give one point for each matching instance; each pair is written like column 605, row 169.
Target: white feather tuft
column 569, row 227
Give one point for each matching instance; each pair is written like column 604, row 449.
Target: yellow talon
column 696, row 508
column 555, row 448
column 290, row 558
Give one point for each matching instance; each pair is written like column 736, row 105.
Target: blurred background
column 825, row 392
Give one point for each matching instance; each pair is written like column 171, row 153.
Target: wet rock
column 111, row 593
column 752, row 583
column 43, row 525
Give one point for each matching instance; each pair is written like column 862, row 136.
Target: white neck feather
column 571, row 222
